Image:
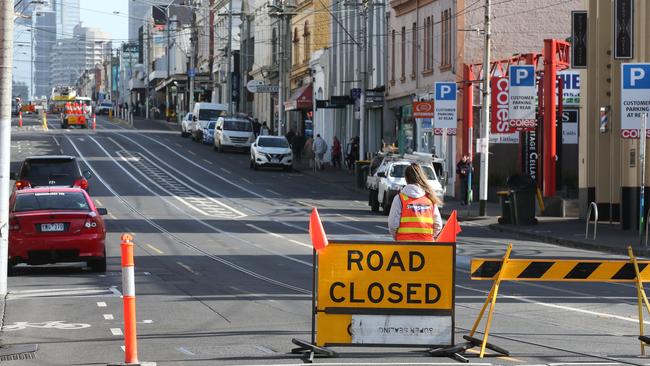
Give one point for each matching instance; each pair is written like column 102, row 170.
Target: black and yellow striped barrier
column 561, row 270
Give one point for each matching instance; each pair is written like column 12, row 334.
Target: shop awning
column 301, row 99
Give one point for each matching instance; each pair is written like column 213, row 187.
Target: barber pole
column 128, row 292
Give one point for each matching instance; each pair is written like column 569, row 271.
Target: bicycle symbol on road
column 56, row 324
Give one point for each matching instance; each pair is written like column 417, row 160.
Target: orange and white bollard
column 20, row 119
column 94, row 121
column 128, row 292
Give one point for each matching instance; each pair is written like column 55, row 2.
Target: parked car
column 202, row 113
column 51, row 171
column 233, row 133
column 388, row 180
column 103, row 108
column 50, row 225
column 271, row 151
column 208, row 133
column 186, row 125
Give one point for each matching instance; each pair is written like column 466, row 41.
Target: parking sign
column 635, row 98
column 521, row 104
column 445, row 111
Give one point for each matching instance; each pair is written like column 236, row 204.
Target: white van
column 202, row 114
column 233, row 133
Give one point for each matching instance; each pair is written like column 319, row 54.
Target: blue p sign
column 445, row 91
column 523, row 75
column 636, row 76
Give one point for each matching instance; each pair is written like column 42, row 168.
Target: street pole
column 190, row 106
column 485, row 126
column 642, row 144
column 229, row 60
column 146, row 89
column 280, row 73
column 364, row 81
column 168, row 61
column 6, row 70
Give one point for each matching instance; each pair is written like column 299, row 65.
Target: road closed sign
column 635, row 98
column 446, row 115
column 388, row 293
column 521, row 103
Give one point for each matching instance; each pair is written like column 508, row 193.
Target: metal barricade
column 592, row 208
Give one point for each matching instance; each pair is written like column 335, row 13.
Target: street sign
column 500, row 98
column 446, row 105
column 386, row 293
column 623, row 29
column 423, row 109
column 355, row 93
column 521, row 101
column 258, row 86
column 191, row 73
column 635, row 97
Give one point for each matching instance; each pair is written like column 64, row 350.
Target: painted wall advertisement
column 635, row 98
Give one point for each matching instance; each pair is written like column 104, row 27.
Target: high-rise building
column 137, row 13
column 44, row 40
column 67, row 17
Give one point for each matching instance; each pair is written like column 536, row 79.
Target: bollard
column 44, row 120
column 128, row 292
column 110, row 113
column 94, row 121
column 20, row 119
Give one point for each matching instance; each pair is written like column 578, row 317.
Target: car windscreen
column 397, row 171
column 272, row 142
column 208, row 114
column 69, row 201
column 211, row 125
column 237, row 125
column 50, row 172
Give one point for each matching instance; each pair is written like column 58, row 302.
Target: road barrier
column 128, row 295
column 557, row 270
column 94, row 122
column 384, row 294
column 20, row 119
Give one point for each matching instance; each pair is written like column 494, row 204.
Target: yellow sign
column 386, row 276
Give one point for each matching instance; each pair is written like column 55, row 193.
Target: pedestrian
column 464, row 168
column 308, row 151
column 320, row 148
column 264, row 130
column 336, row 152
column 414, row 214
column 296, row 145
column 256, row 127
column 290, row 135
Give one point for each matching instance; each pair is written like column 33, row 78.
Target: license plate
column 275, row 161
column 50, row 228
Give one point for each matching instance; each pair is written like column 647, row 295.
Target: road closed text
column 386, row 276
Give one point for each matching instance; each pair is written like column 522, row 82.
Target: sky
column 99, row 14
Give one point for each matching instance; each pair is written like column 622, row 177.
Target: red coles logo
column 500, row 106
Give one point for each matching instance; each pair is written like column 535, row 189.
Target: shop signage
column 579, row 39
column 423, row 109
column 446, row 115
column 258, row 86
column 531, row 154
column 623, row 29
column 635, row 97
column 570, row 87
column 522, row 92
column 570, row 119
column 500, row 98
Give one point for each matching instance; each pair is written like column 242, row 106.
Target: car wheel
column 385, row 205
column 251, row 163
column 374, row 202
column 98, row 265
column 255, row 166
column 288, row 168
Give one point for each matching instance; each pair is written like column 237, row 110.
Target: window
column 403, row 77
column 296, row 44
column 446, row 34
column 414, row 51
column 305, row 36
column 392, row 57
column 427, row 57
column 274, row 46
column 431, row 42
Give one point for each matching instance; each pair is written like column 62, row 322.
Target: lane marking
column 185, row 351
column 265, row 350
column 187, row 268
column 506, row 358
column 191, row 152
column 377, row 364
column 282, row 237
column 273, row 192
column 116, row 331
column 155, row 249
column 108, row 316
column 112, row 216
column 56, row 141
column 247, row 181
column 148, row 321
column 179, row 145
column 226, row 170
column 123, row 348
column 115, row 291
column 347, row 217
column 147, row 273
column 101, row 304
column 98, row 202
column 301, row 243
column 207, row 161
column 380, row 227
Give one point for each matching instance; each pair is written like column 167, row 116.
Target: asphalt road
column 223, row 267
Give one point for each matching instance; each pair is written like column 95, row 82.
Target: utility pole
column 6, row 71
column 229, row 60
column 167, row 26
column 192, row 60
column 280, row 73
column 147, row 64
column 364, row 79
column 485, row 126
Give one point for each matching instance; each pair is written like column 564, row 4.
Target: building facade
column 44, row 40
column 67, row 17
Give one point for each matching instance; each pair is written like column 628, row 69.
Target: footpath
column 568, row 232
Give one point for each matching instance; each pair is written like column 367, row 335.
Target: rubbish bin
column 522, row 192
column 361, row 172
column 506, row 208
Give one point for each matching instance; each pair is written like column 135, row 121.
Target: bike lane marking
column 116, row 331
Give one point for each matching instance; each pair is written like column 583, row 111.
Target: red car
column 50, row 225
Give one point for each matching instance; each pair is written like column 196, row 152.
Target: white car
column 391, row 181
column 271, row 151
column 233, row 133
column 186, row 125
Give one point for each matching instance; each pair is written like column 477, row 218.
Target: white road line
column 207, row 161
column 226, row 170
column 147, row 273
column 179, row 145
column 108, row 316
column 265, row 350
column 187, row 268
column 301, row 243
column 112, row 216
column 282, row 237
column 247, row 181
column 381, row 227
column 148, row 321
column 98, row 202
column 123, row 348
column 56, row 141
column 101, row 304
column 377, row 364
column 185, row 351
column 155, row 249
column 115, row 291
column 273, row 192
column 191, row 152
column 116, row 331
column 347, row 217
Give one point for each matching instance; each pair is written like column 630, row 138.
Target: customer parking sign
column 635, row 98
column 521, row 105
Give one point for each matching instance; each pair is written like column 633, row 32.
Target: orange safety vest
column 416, row 222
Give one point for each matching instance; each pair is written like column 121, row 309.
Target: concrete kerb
column 576, row 244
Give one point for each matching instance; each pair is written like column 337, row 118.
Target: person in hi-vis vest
column 414, row 214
